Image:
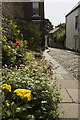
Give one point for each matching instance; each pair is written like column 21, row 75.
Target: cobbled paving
column 68, row 59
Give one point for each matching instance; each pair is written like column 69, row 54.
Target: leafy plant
column 32, row 35
column 13, row 101
column 35, row 76
column 59, row 37
column 14, row 47
column 27, row 70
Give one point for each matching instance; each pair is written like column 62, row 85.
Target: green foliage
column 35, row 76
column 47, row 26
column 32, row 35
column 12, row 32
column 59, row 37
column 28, row 70
column 63, row 25
column 14, row 47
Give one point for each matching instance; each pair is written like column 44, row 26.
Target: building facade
column 73, row 28
column 26, row 12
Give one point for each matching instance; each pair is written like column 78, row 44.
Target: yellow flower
column 13, row 50
column 11, row 21
column 7, row 104
column 7, row 87
column 23, row 93
column 18, row 31
column 28, row 96
column 15, row 26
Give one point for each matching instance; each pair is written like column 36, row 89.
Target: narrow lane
column 68, row 59
column 69, row 89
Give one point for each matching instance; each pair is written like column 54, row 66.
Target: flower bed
column 35, row 76
column 29, row 89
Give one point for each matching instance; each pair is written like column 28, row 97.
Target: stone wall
column 13, row 10
column 22, row 14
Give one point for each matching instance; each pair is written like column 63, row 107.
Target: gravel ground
column 68, row 59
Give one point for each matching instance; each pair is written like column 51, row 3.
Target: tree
column 63, row 25
column 47, row 26
column 60, row 36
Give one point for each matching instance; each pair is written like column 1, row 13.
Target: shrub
column 14, row 47
column 60, row 37
column 32, row 35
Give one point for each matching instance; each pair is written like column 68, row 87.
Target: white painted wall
column 70, row 30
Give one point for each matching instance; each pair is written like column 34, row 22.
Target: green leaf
column 8, row 113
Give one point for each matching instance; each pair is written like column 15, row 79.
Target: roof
column 74, row 8
column 54, row 30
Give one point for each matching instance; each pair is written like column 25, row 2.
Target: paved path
column 69, row 91
column 68, row 59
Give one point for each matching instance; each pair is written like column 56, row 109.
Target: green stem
column 17, row 105
column 20, row 103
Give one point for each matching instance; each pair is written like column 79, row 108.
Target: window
column 35, row 8
column 76, row 22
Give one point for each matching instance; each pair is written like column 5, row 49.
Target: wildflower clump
column 23, row 93
column 7, row 87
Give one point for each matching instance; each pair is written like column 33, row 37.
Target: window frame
column 35, row 9
column 76, row 21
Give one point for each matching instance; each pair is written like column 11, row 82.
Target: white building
column 73, row 28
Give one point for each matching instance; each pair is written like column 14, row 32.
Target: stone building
column 73, row 28
column 51, row 40
column 26, row 12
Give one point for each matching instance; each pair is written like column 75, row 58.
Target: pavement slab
column 74, row 94
column 68, row 77
column 60, row 70
column 60, row 77
column 70, row 110
column 69, row 84
column 66, row 99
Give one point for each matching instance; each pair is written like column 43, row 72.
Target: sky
column 56, row 10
